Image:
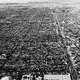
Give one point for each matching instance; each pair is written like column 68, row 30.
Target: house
column 26, row 77
column 6, row 78
column 57, row 77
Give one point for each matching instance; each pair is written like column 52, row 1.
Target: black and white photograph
column 39, row 39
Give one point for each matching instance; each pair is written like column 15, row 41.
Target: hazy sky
column 25, row 1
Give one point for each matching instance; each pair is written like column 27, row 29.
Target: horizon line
column 37, row 2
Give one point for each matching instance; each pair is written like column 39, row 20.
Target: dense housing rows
column 29, row 41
